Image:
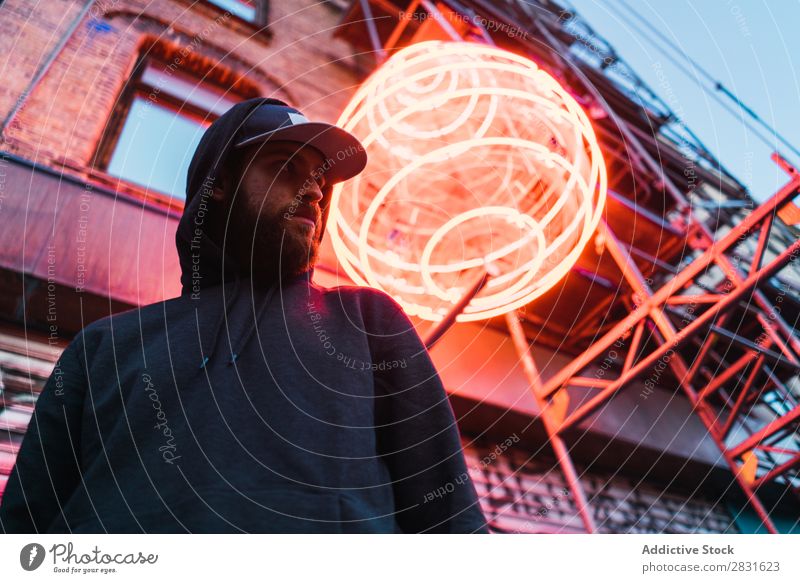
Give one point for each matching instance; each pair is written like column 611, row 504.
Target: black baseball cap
column 343, row 152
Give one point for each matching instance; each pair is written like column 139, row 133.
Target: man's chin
column 290, row 255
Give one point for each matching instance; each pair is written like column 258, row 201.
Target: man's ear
column 219, row 190
column 228, row 176
column 218, row 195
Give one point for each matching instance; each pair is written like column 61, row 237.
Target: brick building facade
column 87, row 233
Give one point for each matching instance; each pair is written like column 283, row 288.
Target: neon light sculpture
column 476, row 157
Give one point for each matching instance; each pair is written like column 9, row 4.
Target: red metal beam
column 728, row 374
column 740, row 400
column 550, row 425
column 777, row 471
column 676, row 284
column 680, row 337
column 766, row 432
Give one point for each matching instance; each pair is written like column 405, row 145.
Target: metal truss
column 710, row 326
column 743, row 381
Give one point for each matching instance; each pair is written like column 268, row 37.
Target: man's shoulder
column 369, row 297
column 379, row 310
column 128, row 320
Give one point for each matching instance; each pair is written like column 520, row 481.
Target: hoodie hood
column 202, row 260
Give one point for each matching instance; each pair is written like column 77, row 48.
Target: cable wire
column 717, row 85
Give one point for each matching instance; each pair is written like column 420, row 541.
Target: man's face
column 275, row 215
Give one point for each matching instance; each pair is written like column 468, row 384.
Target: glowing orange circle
column 476, row 156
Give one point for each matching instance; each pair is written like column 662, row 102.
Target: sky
column 750, row 46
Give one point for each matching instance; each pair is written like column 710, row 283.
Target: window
column 252, row 12
column 165, row 115
column 244, row 9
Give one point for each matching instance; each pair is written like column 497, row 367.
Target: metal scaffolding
column 709, row 309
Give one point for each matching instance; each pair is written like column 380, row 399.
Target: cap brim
column 344, row 155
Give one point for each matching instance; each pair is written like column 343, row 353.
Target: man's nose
column 312, row 194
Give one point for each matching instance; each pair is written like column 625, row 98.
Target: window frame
column 259, row 26
column 135, row 88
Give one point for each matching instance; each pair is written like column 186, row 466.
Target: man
column 257, row 401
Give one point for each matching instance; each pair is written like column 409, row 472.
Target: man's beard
column 267, row 247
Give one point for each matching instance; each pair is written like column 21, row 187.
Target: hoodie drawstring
column 224, row 316
column 243, row 342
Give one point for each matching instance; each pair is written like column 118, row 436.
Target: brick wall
column 65, row 114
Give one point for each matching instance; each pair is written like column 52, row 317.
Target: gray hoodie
column 296, row 408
